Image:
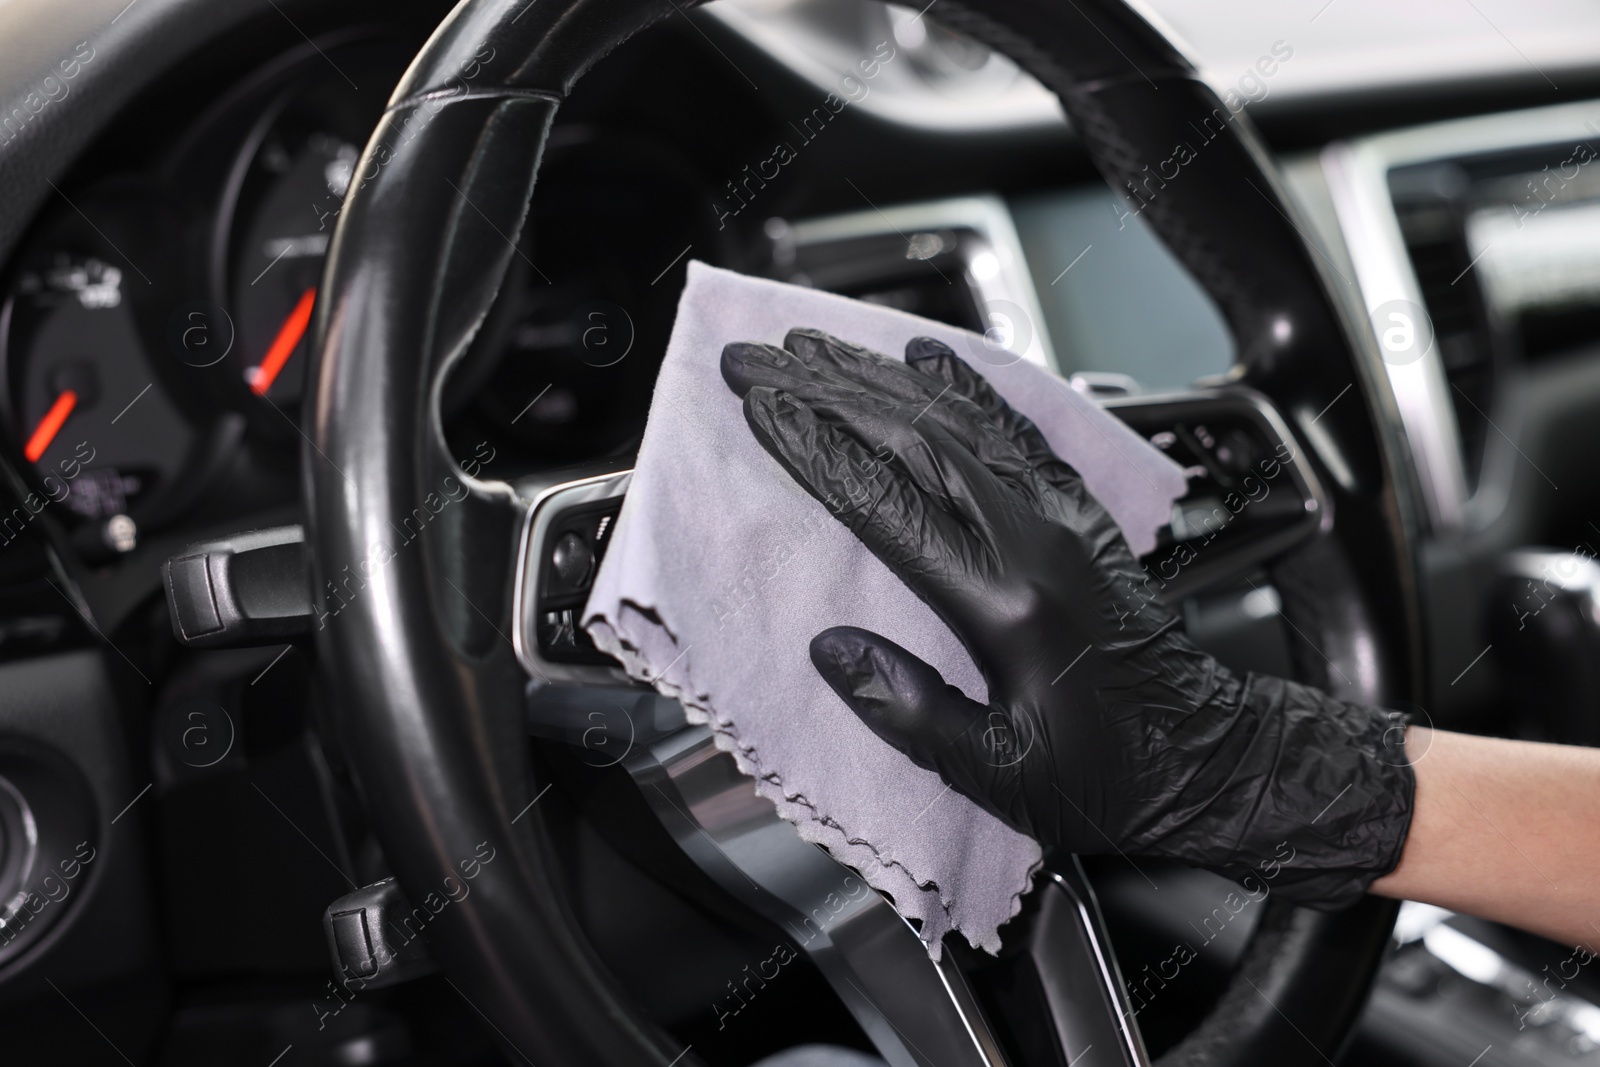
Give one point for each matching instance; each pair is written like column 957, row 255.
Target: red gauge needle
column 50, row 425
column 283, row 345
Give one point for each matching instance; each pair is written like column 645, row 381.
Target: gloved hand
column 1106, row 728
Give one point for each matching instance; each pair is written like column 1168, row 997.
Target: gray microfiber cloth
column 721, row 570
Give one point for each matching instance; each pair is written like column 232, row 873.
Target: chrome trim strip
column 1077, row 889
column 1357, row 179
column 986, row 217
column 1356, row 173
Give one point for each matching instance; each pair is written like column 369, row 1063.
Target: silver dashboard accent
column 937, row 79
column 1570, row 572
column 1357, row 173
column 1540, row 1004
column 993, row 261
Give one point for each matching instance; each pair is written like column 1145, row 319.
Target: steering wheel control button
column 1249, row 497
column 375, row 937
column 558, row 631
column 572, row 560
column 249, row 589
column 574, row 544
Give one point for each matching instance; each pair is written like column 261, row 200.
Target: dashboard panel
column 155, row 324
column 154, row 321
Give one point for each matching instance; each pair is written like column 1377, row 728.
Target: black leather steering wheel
column 429, row 694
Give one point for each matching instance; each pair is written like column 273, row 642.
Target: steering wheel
column 430, row 691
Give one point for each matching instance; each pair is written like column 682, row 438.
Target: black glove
column 1106, row 729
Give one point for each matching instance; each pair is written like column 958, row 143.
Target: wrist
column 1319, row 786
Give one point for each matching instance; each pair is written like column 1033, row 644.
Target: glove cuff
column 1318, row 803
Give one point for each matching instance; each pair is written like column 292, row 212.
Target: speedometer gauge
column 286, row 192
column 278, row 260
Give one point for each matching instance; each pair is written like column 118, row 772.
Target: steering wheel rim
column 413, row 560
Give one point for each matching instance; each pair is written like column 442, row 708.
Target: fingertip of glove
column 896, row 695
column 919, row 349
column 742, row 359
column 833, row 648
column 856, row 661
column 824, row 351
column 805, row 340
column 853, row 662
column 845, row 658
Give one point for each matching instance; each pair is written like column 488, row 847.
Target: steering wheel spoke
column 917, row 1012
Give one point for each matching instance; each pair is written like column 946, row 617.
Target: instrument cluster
column 155, row 325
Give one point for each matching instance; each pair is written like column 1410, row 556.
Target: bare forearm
column 1507, row 830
